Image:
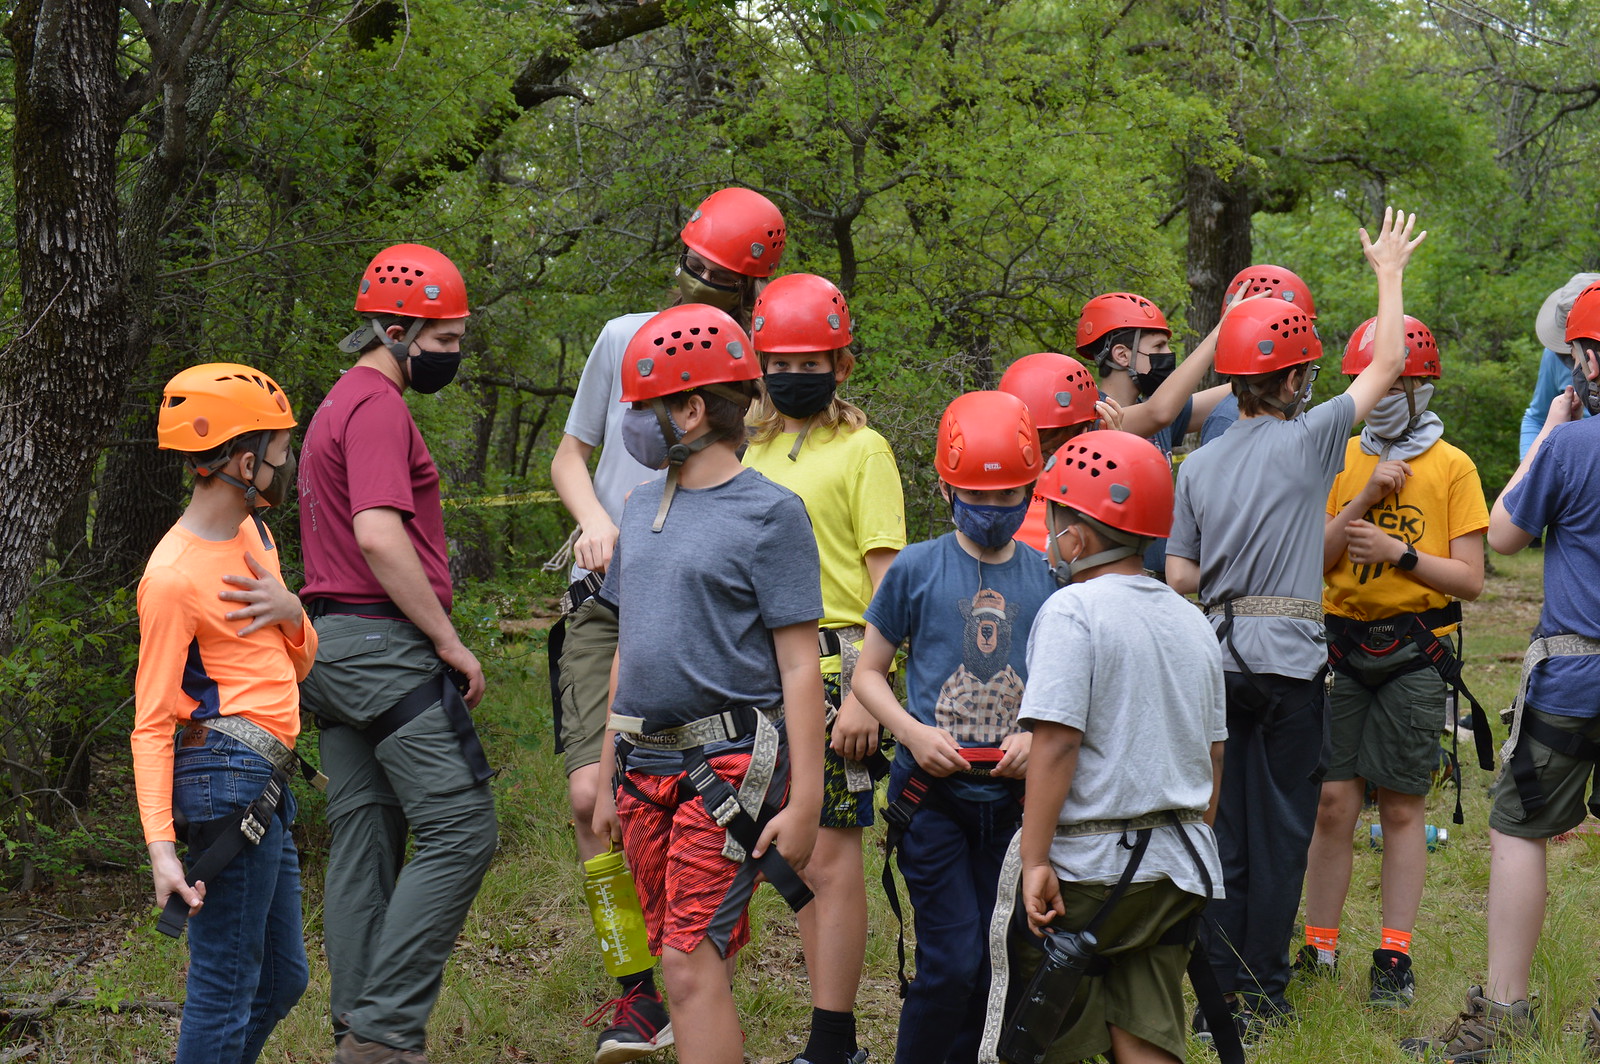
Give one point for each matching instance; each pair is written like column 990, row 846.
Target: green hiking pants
column 389, row 924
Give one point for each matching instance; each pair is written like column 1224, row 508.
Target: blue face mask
column 990, row 527
column 641, row 435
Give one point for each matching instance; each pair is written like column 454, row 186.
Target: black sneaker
column 1393, row 985
column 1309, row 962
column 639, row 1026
column 1251, row 1024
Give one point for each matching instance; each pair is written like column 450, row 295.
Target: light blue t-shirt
column 1561, row 496
column 1554, row 376
column 968, row 628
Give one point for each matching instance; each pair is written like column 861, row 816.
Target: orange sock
column 1325, row 940
column 1399, row 941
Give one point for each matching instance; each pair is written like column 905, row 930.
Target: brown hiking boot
column 1485, row 1031
column 352, row 1050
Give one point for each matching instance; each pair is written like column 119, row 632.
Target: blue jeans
column 950, row 859
column 247, row 954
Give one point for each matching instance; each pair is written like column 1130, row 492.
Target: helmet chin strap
column 401, row 348
column 1128, row 545
column 679, row 450
column 250, row 492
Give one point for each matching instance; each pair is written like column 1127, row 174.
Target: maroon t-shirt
column 362, row 450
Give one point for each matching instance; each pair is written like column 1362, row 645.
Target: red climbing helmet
column 987, row 442
column 738, row 229
column 1274, row 280
column 1583, row 323
column 1119, row 479
column 1264, row 335
column 1422, row 353
column 800, row 313
column 1058, row 390
column 413, row 280
column 1117, row 310
column 683, row 348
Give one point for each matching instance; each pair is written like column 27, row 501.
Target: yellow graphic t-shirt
column 1443, row 499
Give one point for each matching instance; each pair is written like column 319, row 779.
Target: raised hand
column 1393, row 248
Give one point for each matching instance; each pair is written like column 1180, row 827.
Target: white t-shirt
column 1135, row 667
column 596, row 418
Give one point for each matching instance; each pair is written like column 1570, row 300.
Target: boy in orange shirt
column 222, row 646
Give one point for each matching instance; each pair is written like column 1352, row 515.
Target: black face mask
column 1161, row 367
column 431, row 370
column 282, row 476
column 799, row 395
column 1588, row 390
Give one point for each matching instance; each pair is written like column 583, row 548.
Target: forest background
column 200, row 182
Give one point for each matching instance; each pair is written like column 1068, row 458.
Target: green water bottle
column 618, row 918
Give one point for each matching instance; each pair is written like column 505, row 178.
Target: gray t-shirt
column 596, row 418
column 696, row 602
column 1250, row 509
column 1135, row 667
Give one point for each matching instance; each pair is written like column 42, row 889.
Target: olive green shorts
column 1385, row 722
column 1563, row 779
column 1142, row 990
column 591, row 643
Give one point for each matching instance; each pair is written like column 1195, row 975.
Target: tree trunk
column 1220, row 245
column 61, row 379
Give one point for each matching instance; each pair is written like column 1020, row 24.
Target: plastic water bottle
column 1436, row 837
column 618, row 917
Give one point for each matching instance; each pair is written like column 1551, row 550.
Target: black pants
column 1271, row 781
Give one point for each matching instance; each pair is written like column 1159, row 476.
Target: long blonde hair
column 766, row 423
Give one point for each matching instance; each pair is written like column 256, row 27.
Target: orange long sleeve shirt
column 193, row 665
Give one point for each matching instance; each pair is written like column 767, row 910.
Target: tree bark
column 62, row 378
column 1220, row 245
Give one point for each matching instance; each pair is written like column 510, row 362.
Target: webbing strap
column 1268, row 606
column 225, row 837
column 263, row 742
column 1526, row 774
column 896, row 818
column 1541, row 649
column 726, row 807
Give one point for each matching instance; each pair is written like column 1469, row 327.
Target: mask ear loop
column 400, row 349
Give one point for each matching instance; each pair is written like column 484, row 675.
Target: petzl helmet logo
column 431, row 291
column 989, row 466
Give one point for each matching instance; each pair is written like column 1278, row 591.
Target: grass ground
column 526, row 973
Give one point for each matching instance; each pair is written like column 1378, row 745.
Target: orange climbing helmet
column 203, row 407
column 987, row 442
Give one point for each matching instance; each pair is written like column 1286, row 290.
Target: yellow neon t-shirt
column 1442, row 500
column 851, row 488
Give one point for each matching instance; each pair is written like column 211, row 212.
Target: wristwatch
column 1408, row 560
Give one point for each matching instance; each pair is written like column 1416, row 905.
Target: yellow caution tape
column 521, row 498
